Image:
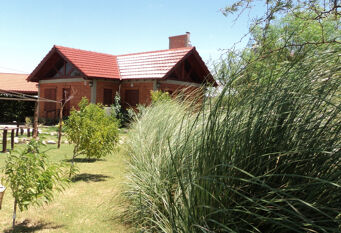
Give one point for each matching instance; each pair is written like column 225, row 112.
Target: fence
column 14, row 132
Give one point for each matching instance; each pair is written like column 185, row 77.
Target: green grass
column 89, row 204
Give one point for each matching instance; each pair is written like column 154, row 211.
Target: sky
column 30, row 28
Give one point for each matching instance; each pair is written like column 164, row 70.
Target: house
column 78, row 73
column 11, row 82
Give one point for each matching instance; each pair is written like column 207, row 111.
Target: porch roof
column 17, row 83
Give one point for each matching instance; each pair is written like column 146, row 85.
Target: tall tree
column 287, row 34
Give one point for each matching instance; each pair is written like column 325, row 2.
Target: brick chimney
column 179, row 41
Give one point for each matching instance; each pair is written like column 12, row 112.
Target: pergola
column 17, row 96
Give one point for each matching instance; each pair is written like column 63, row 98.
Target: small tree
column 32, row 178
column 116, row 109
column 122, row 115
column 93, row 132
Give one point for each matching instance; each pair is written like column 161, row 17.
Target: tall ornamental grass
column 265, row 159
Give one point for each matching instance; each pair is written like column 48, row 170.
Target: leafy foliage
column 159, row 95
column 116, row 108
column 31, row 177
column 290, row 39
column 15, row 110
column 92, row 131
column 124, row 116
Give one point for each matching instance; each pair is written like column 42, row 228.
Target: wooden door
column 50, row 107
column 107, row 97
column 131, row 98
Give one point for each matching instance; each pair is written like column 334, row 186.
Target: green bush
column 124, row 116
column 158, row 96
column 266, row 160
column 93, row 132
column 15, row 110
column 32, row 177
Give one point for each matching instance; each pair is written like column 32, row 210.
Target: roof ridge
column 127, row 54
column 60, row 46
column 155, row 51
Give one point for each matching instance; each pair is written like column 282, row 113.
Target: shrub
column 32, row 178
column 124, row 116
column 15, row 110
column 158, row 96
column 28, row 121
column 92, row 131
column 266, row 160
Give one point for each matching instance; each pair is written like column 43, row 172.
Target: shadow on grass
column 83, row 160
column 29, row 226
column 86, row 177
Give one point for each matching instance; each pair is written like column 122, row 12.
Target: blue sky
column 29, row 28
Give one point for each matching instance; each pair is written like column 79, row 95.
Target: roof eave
column 208, row 77
column 179, row 62
column 68, row 60
column 107, row 78
column 31, row 77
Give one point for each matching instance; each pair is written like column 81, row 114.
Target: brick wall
column 144, row 89
column 191, row 93
column 179, row 41
column 175, row 88
column 78, row 90
column 101, row 85
column 82, row 89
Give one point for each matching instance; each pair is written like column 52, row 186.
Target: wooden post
column 12, row 139
column 17, row 131
column 21, row 131
column 28, row 132
column 4, row 140
column 60, row 124
column 35, row 122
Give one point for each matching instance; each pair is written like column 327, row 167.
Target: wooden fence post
column 60, row 124
column 28, row 132
column 35, row 121
column 12, row 139
column 21, row 131
column 4, row 141
column 17, row 131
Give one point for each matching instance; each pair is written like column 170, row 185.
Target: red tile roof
column 17, row 83
column 153, row 64
column 145, row 65
column 92, row 64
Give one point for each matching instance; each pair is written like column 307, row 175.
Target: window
column 68, row 68
column 58, row 68
column 107, row 97
column 75, row 72
column 131, row 98
column 63, row 69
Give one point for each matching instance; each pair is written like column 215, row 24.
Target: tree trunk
column 14, row 213
column 60, row 125
column 75, row 150
column 35, row 121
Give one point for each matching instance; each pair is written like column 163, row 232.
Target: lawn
column 90, row 204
